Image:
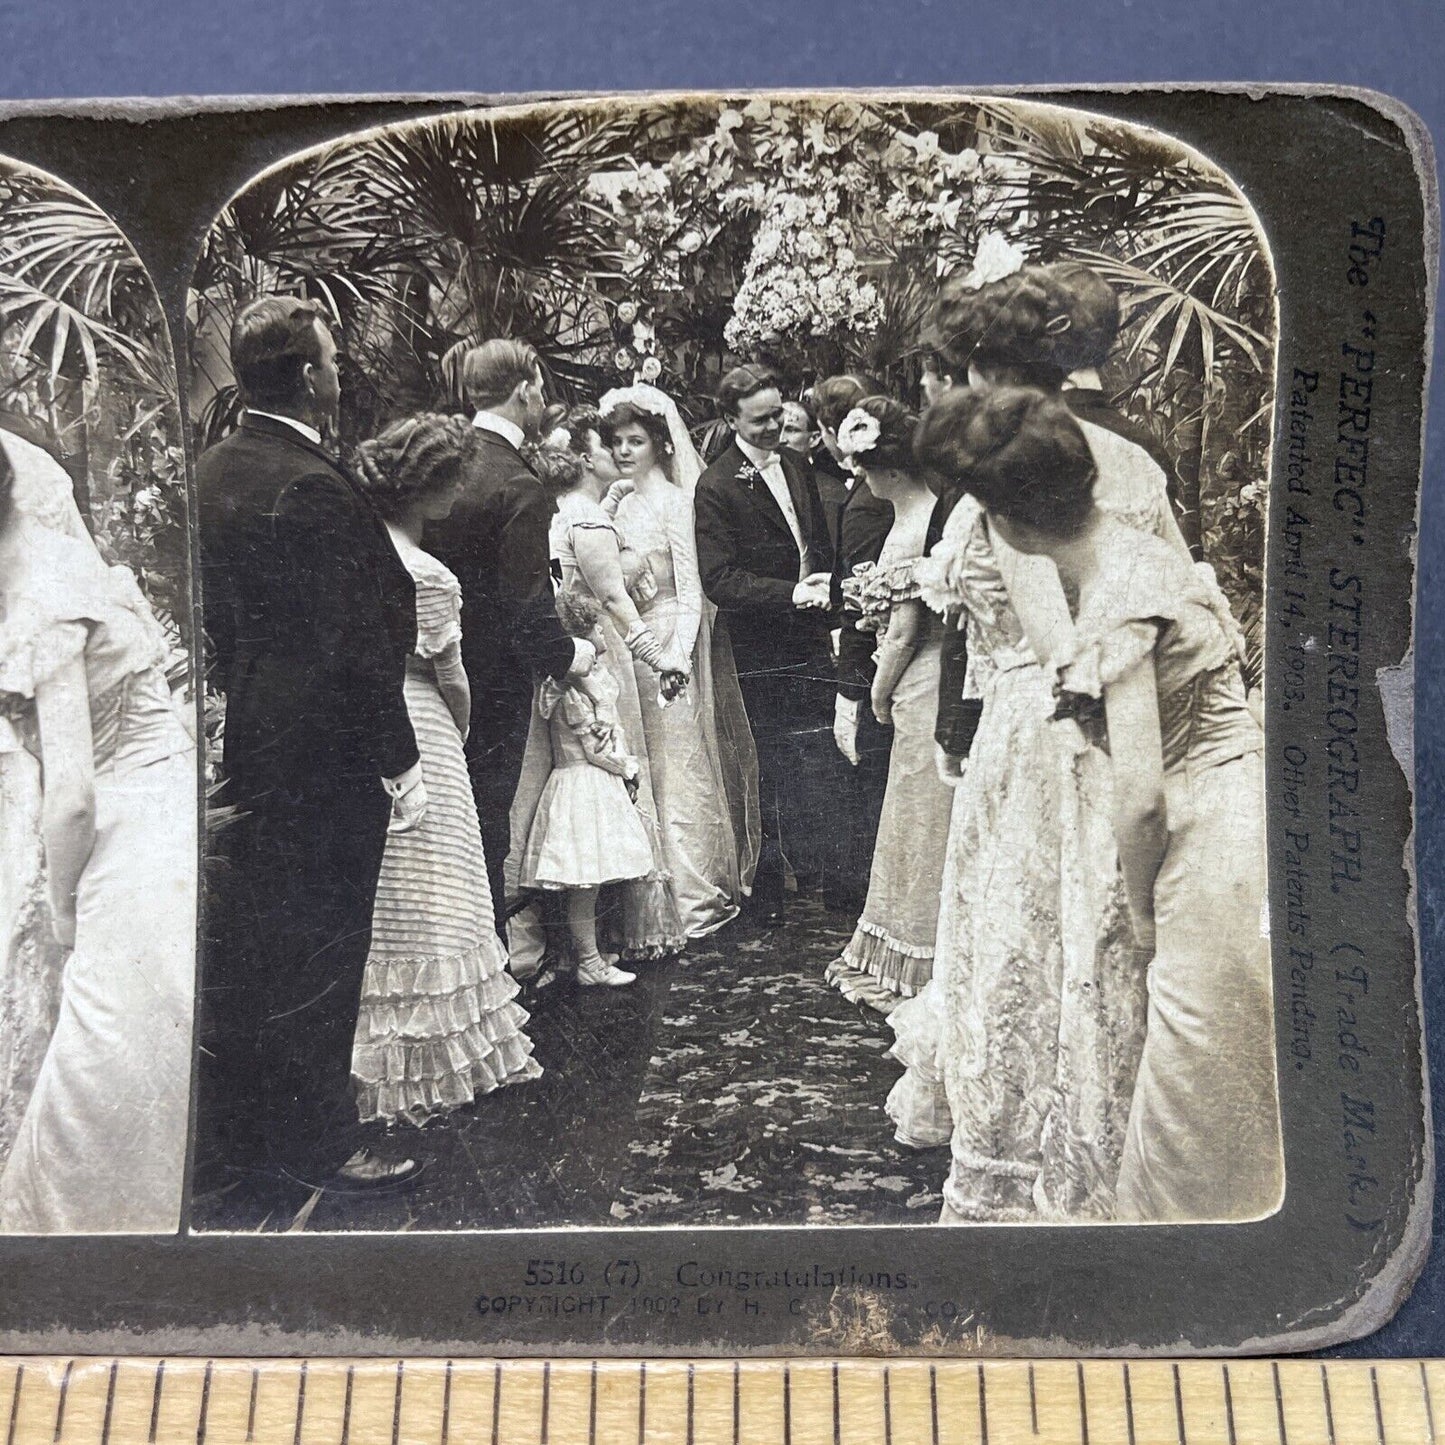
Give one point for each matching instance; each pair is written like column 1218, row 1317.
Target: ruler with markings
column 719, row 1402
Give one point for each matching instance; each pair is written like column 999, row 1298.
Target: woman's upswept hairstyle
column 412, row 458
column 559, row 469
column 1017, row 449
column 897, row 427
column 1031, row 328
column 835, row 396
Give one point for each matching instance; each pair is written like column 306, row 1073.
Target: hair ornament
column 996, row 258
column 560, row 438
column 641, row 396
column 858, row 432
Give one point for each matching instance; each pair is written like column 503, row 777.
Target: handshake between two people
column 814, row 591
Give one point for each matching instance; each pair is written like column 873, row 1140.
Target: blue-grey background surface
column 69, row 48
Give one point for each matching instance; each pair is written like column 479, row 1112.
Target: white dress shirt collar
column 309, row 432
column 500, row 426
column 770, row 467
column 756, row 455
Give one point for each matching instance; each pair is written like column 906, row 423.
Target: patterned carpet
column 729, row 1087
column 763, row 1097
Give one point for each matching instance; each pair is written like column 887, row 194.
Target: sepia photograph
column 733, row 643
column 98, row 801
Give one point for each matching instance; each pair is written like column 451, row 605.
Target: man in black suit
column 311, row 616
column 862, row 526
column 495, row 540
column 765, row 560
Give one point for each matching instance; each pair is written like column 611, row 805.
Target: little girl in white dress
column 586, row 831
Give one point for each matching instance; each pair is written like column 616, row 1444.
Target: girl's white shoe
column 598, row 972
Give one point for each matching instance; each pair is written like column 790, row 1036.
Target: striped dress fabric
column 437, row 1024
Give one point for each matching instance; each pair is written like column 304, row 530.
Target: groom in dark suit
column 310, row 615
column 496, row 542
column 765, row 557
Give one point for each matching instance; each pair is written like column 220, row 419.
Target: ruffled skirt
column 437, row 1026
column 890, row 955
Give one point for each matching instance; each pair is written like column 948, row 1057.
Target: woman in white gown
column 698, row 746
column 890, row 956
column 101, row 1146
column 1037, row 993
column 1151, row 674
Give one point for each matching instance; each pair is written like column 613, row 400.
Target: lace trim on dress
column 875, row 590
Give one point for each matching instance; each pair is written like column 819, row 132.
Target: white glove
column 812, row 591
column 845, row 727
column 584, row 659
column 408, row 810
column 951, row 770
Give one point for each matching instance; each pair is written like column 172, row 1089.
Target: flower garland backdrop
column 661, row 243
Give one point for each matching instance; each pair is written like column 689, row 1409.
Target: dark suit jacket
column 495, row 540
column 833, row 492
column 863, row 526
column 310, row 613
column 750, row 564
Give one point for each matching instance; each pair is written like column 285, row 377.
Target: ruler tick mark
column 1034, row 1402
column 300, row 1404
column 109, row 1403
column 1083, row 1404
column 60, row 1403
column 787, row 1406
column 1179, row 1406
column 205, row 1403
column 496, row 1402
column 933, row 1399
column 1379, row 1413
column 982, row 1407
column 1278, row 1402
column 15, row 1404
column 642, row 1404
column 346, row 1406
column 1128, row 1404
column 689, row 1403
column 737, row 1402
column 1329, row 1404
column 837, row 1412
column 1429, row 1407
column 887, row 1406
column 156, row 1401
column 396, row 1410
column 1229, row 1408
column 592, row 1408
column 251, row 1408
column 546, row 1399
column 447, row 1404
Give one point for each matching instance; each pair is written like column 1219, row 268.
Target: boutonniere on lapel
column 748, row 473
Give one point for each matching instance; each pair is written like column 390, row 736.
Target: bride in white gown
column 704, row 770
